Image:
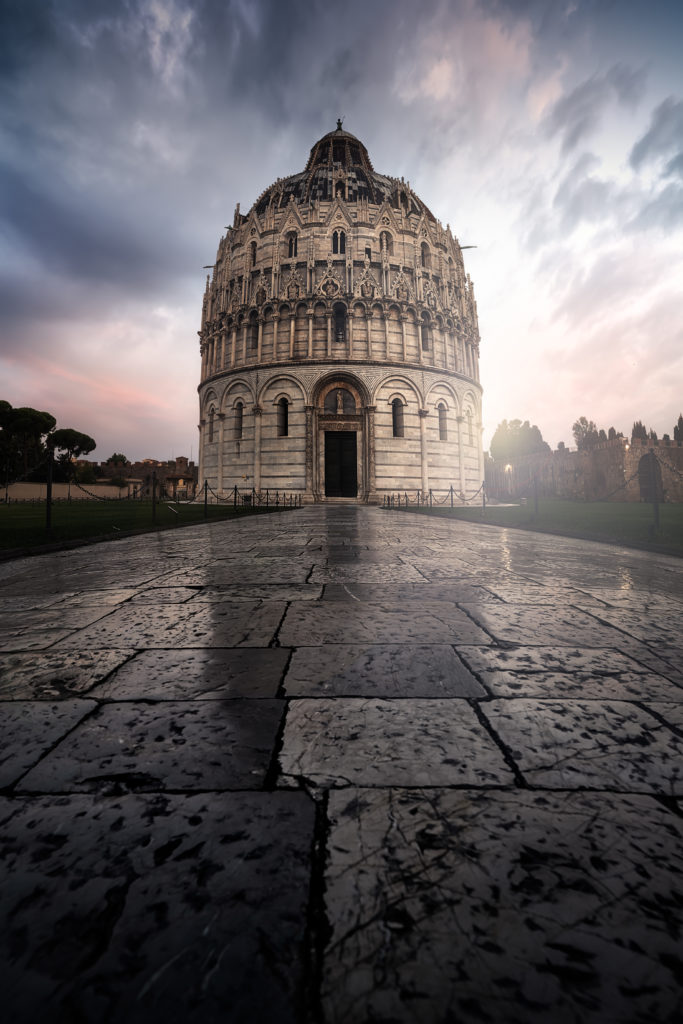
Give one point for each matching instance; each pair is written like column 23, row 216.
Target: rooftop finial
column 340, row 121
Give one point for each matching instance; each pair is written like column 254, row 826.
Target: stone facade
column 339, row 341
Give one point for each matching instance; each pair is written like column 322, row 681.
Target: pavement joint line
column 644, row 706
column 275, row 640
column 274, row 769
column 12, row 787
column 520, row 781
column 282, row 689
column 318, row 928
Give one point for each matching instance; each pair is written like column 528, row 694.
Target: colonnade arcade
column 324, row 330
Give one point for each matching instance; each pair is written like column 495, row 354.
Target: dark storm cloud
column 663, row 137
column 579, row 113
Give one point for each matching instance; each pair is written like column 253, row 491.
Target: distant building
column 176, row 478
column 339, row 341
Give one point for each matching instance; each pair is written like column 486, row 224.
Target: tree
column 639, row 431
column 585, row 433
column 678, row 429
column 22, row 433
column 117, row 459
column 70, row 444
column 514, row 439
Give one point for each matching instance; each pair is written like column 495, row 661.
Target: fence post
column 48, row 491
column 483, row 499
column 234, row 500
column 451, row 495
column 430, row 497
column 154, row 495
column 206, row 498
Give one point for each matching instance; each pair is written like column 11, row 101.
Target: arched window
column 397, row 417
column 425, row 256
column 282, row 418
column 339, row 322
column 339, row 242
column 252, row 253
column 253, row 331
column 426, row 337
column 340, row 190
column 386, row 243
column 292, row 245
column 211, row 415
column 443, row 428
column 239, row 421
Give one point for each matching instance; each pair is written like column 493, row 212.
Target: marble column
column 257, row 411
column 310, row 409
column 371, row 464
column 461, row 454
column 221, row 431
column 424, row 453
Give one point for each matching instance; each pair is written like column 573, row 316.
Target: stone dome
column 340, row 157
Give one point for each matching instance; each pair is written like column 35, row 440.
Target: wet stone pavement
column 341, row 765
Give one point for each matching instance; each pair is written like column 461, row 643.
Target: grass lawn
column 22, row 526
column 628, row 523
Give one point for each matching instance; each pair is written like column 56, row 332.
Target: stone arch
column 282, row 381
column 233, row 389
column 650, row 478
column 209, row 397
column 435, row 392
column 341, row 379
column 402, row 384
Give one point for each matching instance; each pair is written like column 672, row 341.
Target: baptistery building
column 339, row 341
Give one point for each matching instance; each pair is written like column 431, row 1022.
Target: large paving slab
column 380, row 670
column 175, row 745
column 155, row 908
column 410, row 742
column 197, row 674
column 341, row 764
column 572, row 743
column 515, row 907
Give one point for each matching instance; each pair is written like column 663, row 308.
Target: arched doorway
column 650, row 478
column 340, row 435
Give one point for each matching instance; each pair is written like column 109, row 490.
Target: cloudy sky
column 547, row 133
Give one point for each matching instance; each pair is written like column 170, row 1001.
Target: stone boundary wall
column 608, row 472
column 62, row 492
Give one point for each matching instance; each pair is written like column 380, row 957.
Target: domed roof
column 340, row 156
column 341, row 149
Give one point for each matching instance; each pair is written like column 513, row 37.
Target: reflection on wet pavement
column 339, row 765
